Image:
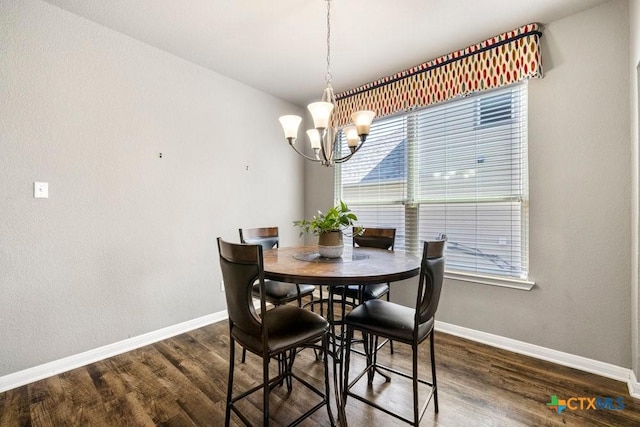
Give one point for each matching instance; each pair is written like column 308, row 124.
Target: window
column 457, row 169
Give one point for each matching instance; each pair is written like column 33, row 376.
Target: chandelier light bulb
column 314, row 138
column 362, row 120
column 290, row 126
column 352, row 136
column 321, row 113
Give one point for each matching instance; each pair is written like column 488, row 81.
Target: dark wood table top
column 358, row 266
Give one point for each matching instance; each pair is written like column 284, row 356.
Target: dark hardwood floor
column 181, row 381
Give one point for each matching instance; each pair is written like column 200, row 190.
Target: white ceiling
column 279, row 46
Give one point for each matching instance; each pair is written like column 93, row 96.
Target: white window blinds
column 457, row 169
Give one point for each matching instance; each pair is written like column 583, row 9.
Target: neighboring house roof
column 391, row 168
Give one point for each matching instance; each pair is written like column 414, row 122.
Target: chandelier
column 324, row 139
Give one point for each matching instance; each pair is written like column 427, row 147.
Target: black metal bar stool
column 378, row 318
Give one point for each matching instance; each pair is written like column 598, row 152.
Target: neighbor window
column 457, row 169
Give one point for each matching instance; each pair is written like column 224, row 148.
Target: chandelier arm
column 344, row 159
column 334, row 147
column 302, row 154
column 323, row 139
column 347, row 157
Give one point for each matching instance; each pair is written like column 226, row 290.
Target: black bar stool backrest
column 431, row 278
column 267, row 237
column 241, row 266
column 371, row 237
column 276, row 293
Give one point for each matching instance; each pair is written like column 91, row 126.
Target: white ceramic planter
column 331, row 245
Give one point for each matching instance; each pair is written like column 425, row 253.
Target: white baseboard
column 634, row 386
column 561, row 358
column 39, row 372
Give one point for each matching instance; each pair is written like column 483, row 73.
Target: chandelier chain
column 328, row 77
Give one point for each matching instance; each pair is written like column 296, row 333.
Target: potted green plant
column 328, row 227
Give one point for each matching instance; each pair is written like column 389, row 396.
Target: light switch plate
column 41, row 190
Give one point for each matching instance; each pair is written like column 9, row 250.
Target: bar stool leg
column 433, row 372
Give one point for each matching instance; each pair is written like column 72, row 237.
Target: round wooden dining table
column 356, row 266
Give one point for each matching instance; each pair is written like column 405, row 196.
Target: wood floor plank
column 83, row 402
column 50, row 408
column 147, row 387
column 195, row 404
column 182, row 381
column 16, row 407
column 198, row 364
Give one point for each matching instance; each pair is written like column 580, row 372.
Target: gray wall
column 634, row 92
column 580, row 210
column 125, row 244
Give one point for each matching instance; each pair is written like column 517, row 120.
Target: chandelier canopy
column 324, row 139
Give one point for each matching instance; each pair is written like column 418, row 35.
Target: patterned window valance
column 499, row 61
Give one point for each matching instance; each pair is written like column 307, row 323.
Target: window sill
column 521, row 284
